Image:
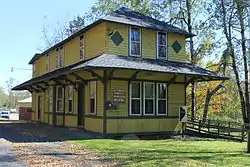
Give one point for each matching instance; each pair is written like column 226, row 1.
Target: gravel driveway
column 8, row 156
column 39, row 145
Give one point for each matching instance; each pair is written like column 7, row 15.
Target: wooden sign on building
column 118, row 96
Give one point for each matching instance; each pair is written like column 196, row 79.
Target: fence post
column 242, row 133
column 199, row 126
column 229, row 129
column 218, row 128
column 208, row 128
column 193, row 121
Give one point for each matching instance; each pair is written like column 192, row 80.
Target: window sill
column 161, row 58
column 135, row 115
column 162, row 114
column 59, row 111
column 92, row 113
column 135, row 55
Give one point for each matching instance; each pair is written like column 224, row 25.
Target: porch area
column 113, row 94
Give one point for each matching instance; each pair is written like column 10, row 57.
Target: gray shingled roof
column 134, row 63
column 107, row 61
column 127, row 16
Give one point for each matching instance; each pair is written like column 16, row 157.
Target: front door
column 39, row 109
column 80, row 114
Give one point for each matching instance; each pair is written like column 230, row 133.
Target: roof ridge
column 148, row 16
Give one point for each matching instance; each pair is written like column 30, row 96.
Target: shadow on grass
column 172, row 157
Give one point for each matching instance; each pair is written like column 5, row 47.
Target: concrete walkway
column 8, row 157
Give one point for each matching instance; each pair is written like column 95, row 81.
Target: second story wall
column 110, row 38
column 40, row 66
column 94, row 45
column 148, row 42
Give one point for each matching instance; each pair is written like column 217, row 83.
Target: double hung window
column 135, row 42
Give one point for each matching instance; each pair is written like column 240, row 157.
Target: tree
column 232, row 15
column 61, row 31
column 189, row 14
column 103, row 7
column 75, row 25
column 14, row 96
column 223, row 64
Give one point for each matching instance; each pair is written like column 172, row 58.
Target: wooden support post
column 54, row 122
column 105, row 89
column 182, row 129
column 64, row 101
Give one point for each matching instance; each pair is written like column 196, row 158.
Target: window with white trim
column 135, row 42
column 93, row 91
column 161, row 45
column 135, row 98
column 59, row 98
column 70, row 97
column 82, row 51
column 59, row 57
column 149, row 98
column 161, row 99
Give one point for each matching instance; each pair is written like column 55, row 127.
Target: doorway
column 81, row 99
column 39, row 109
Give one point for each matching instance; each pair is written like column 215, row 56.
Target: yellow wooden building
column 124, row 73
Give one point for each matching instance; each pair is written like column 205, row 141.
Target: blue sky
column 21, row 31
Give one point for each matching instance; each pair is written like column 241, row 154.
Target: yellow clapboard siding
column 176, row 98
column 71, row 121
column 148, row 43
column 111, row 48
column 95, row 41
column 72, row 51
column 59, row 120
column 172, row 55
column 123, row 108
column 94, row 124
column 142, row 125
column 98, row 41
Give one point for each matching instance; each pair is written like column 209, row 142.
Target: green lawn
column 171, row 152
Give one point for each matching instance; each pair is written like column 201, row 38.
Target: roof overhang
column 34, row 58
column 115, row 62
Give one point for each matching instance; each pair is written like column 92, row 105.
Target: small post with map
column 183, row 118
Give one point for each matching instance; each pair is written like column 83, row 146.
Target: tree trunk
column 244, row 52
column 193, row 106
column 193, row 57
column 208, row 98
column 228, row 34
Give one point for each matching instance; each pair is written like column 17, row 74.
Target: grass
column 171, row 152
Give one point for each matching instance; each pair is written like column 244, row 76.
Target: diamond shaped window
column 117, row 38
column 176, row 46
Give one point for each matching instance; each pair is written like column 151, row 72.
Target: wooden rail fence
column 218, row 129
